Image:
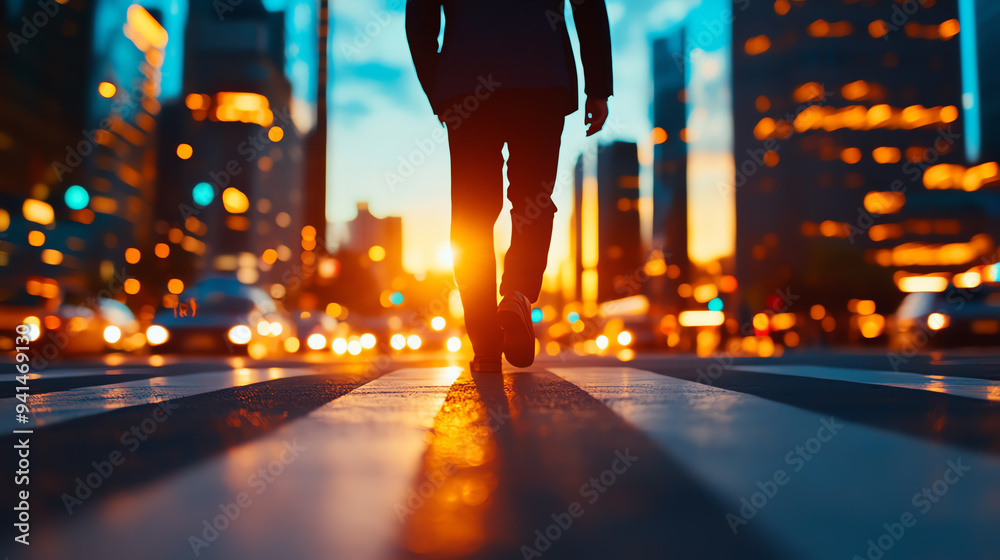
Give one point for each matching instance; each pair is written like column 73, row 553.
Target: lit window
column 107, row 89
column 757, row 45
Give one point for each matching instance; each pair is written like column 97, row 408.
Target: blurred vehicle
column 19, row 308
column 316, row 330
column 955, row 317
column 74, row 322
column 90, row 328
column 221, row 315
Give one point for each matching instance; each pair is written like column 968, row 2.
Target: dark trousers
column 532, row 133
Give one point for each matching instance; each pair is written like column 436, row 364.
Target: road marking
column 732, row 441
column 336, row 499
column 59, row 406
column 981, row 389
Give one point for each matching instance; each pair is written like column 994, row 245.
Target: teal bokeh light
column 77, row 197
column 536, row 315
column 203, row 194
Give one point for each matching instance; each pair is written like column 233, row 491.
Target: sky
column 381, row 118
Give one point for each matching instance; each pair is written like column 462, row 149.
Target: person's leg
column 533, row 155
column 476, row 201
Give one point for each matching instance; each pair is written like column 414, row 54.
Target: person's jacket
column 507, row 44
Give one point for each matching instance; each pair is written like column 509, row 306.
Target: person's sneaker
column 484, row 365
column 514, row 316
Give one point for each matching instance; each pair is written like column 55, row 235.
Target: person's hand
column 596, row 113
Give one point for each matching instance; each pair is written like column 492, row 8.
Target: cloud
column 664, row 15
column 352, row 112
column 376, row 71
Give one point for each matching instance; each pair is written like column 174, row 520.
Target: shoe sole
column 518, row 334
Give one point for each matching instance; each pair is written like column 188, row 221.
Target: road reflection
column 452, row 497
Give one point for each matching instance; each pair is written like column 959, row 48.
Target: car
column 21, row 308
column 221, row 315
column 96, row 325
column 954, row 317
column 73, row 322
column 316, row 329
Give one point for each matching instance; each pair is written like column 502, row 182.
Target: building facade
column 670, row 151
column 841, row 110
column 232, row 196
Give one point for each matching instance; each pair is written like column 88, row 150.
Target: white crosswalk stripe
column 831, row 503
column 59, row 406
column 817, row 486
column 359, row 455
column 983, row 389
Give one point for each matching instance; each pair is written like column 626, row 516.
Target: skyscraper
column 670, row 223
column 232, row 196
column 379, row 238
column 126, row 115
column 987, row 15
column 45, row 68
column 606, row 225
column 316, row 141
column 840, row 110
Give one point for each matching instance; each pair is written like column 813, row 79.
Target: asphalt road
column 809, row 456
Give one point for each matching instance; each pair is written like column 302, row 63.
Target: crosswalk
column 641, row 460
column 52, row 408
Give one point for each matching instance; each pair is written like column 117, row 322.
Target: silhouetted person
column 506, row 74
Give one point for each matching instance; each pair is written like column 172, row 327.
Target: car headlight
column 112, row 334
column 156, row 335
column 414, row 342
column 398, row 342
column 316, row 341
column 938, row 321
column 34, row 325
column 240, row 334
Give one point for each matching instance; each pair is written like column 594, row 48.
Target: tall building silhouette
column 317, row 139
column 670, row 222
column 840, row 111
column 44, row 116
column 609, row 253
column 232, row 195
column 367, row 233
column 987, row 14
